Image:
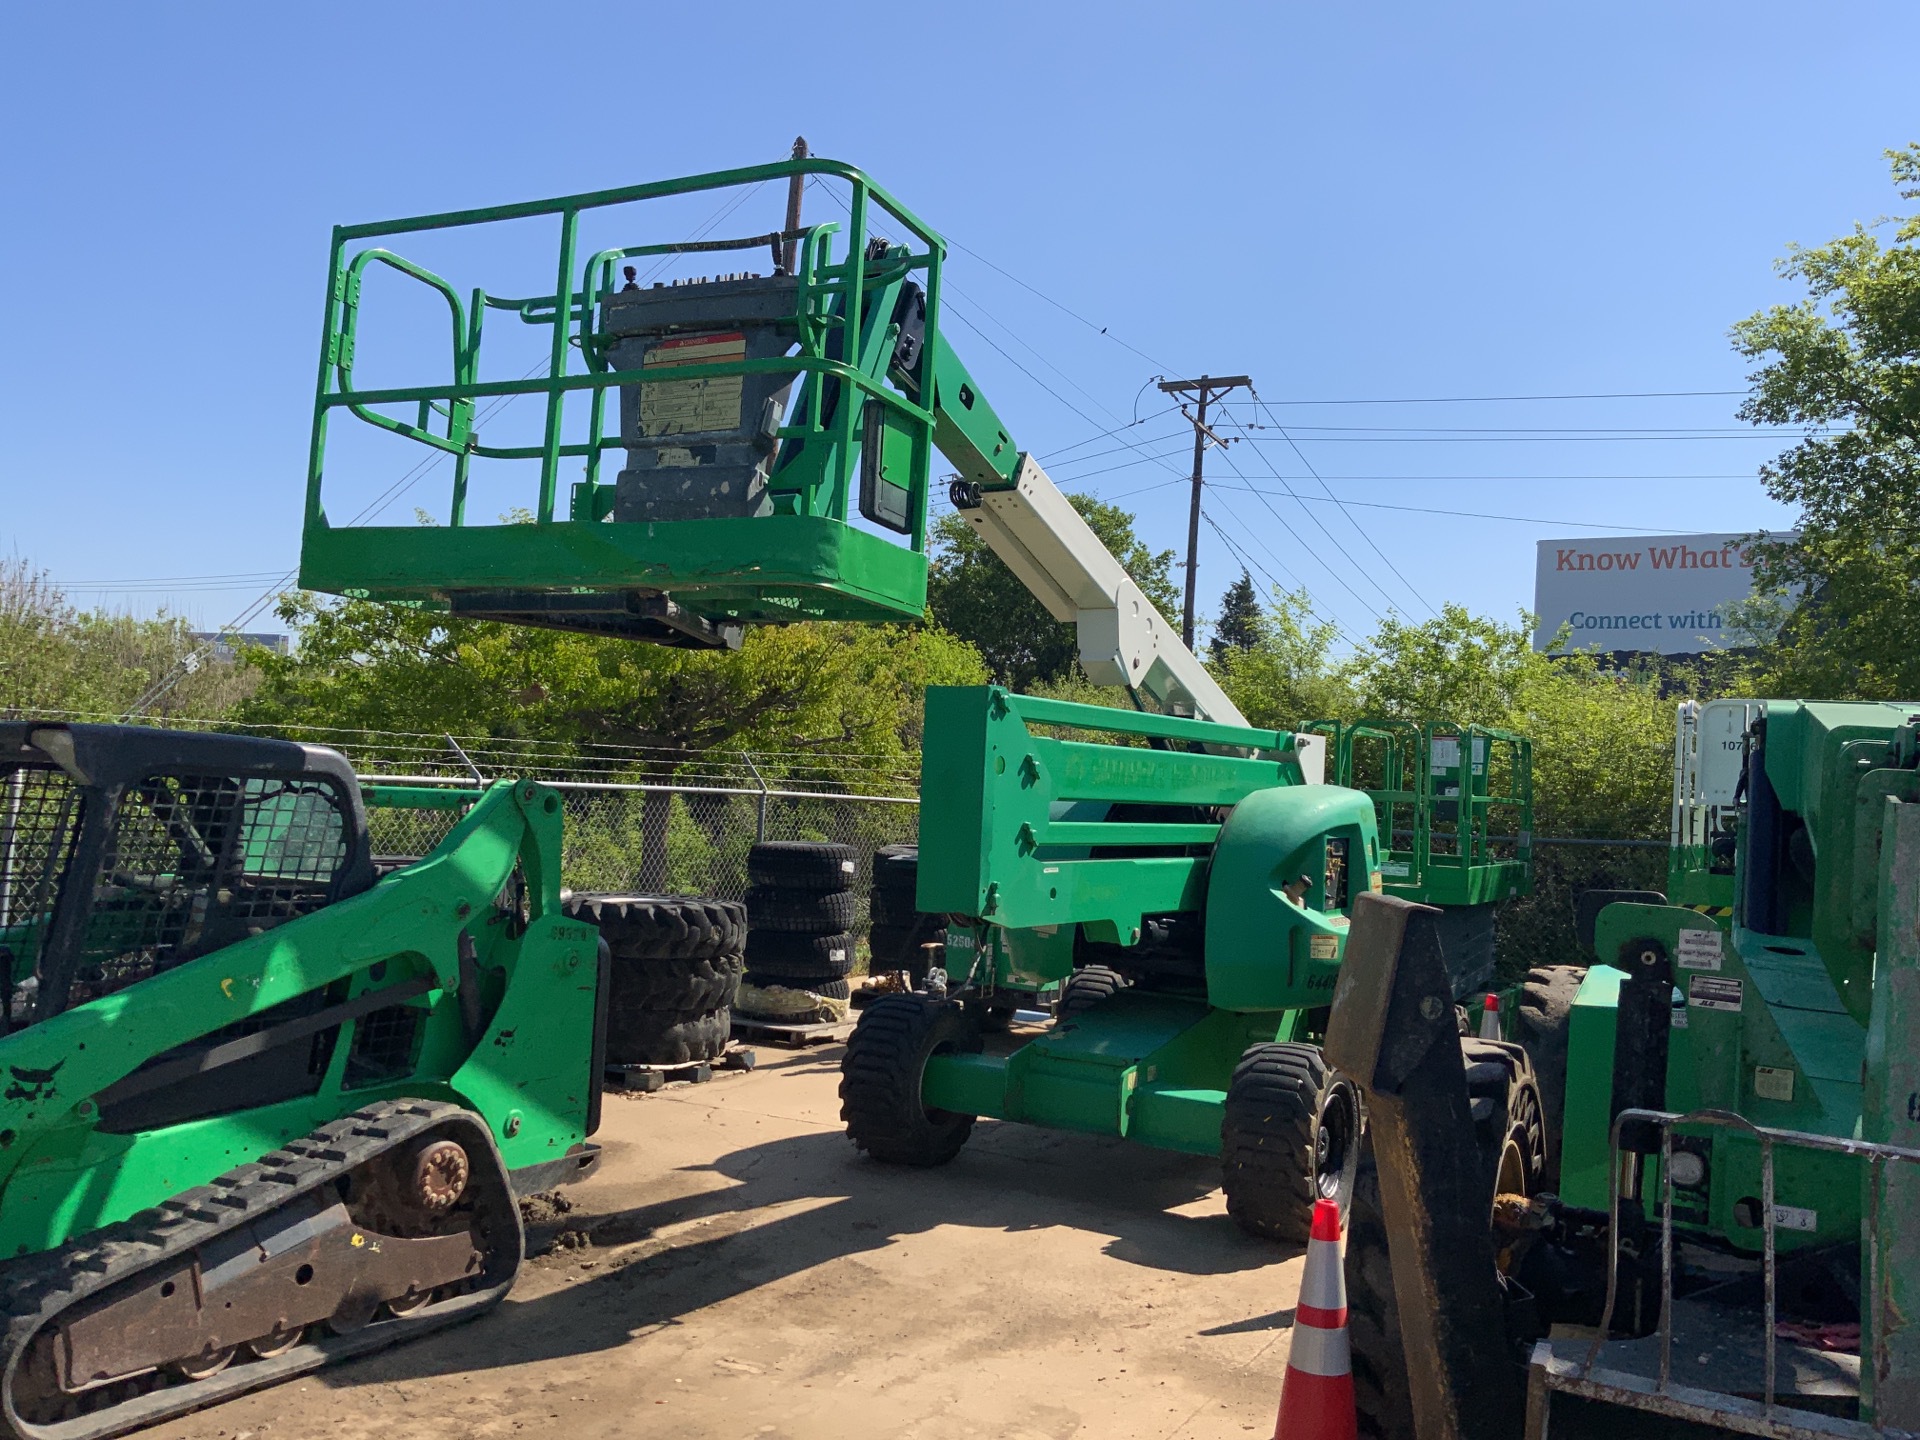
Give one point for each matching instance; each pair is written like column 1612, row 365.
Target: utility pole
column 1206, row 389
column 796, row 184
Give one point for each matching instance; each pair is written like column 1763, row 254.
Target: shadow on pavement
column 1010, row 1178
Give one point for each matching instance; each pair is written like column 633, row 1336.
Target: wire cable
column 1372, row 544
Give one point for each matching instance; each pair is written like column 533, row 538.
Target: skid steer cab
column 228, row 1035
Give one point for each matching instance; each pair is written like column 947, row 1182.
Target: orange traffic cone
column 1316, row 1398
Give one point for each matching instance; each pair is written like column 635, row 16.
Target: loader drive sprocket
column 396, row 1220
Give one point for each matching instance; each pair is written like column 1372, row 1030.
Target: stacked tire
column 800, row 916
column 899, row 931
column 677, row 964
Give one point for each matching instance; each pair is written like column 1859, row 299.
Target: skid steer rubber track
column 317, row 1198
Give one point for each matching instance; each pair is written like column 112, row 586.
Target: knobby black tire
column 801, row 912
column 782, row 953
column 1540, row 1025
column 642, row 985
column 896, row 866
column 1383, row 1403
column 1267, row 1134
column 669, row 1037
column 1084, row 989
column 880, row 1079
column 1502, row 1090
column 663, row 927
column 892, row 905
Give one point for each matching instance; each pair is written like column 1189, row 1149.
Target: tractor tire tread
column 880, row 1080
column 663, row 927
column 1267, row 1133
column 808, row 865
column 781, row 952
column 800, row 912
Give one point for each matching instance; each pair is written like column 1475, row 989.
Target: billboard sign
column 1662, row 593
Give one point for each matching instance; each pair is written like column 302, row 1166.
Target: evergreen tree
column 1241, row 623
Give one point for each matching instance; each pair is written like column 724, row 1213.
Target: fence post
column 760, row 805
column 465, row 759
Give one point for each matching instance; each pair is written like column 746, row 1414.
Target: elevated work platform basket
column 1455, row 805
column 775, row 430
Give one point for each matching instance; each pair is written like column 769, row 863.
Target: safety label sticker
column 1710, row 992
column 1700, row 949
column 1773, row 1082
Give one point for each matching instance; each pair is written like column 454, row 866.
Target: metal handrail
column 1875, row 1154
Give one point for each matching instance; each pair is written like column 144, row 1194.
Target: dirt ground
column 737, row 1271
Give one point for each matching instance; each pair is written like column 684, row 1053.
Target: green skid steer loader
column 264, row 1107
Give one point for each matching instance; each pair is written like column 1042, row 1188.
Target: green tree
column 1457, row 666
column 1241, row 620
column 824, row 696
column 56, row 658
column 1288, row 675
column 972, row 594
column 1846, row 360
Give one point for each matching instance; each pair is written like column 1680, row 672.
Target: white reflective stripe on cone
column 1319, row 1352
column 1322, row 1283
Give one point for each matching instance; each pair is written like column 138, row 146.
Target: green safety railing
column 1454, row 803
column 840, row 356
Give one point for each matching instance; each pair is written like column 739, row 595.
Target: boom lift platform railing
column 717, row 467
column 1455, row 804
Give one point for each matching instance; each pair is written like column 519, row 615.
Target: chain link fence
column 680, row 839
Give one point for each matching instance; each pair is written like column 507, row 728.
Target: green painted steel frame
column 1145, row 1066
column 1796, row 1030
column 526, row 1075
column 806, row 561
column 1011, row 815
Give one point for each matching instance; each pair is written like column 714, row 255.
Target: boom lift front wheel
column 1269, row 1140
column 880, row 1079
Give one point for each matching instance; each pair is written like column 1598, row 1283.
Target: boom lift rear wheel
column 1546, row 1006
column 1084, row 989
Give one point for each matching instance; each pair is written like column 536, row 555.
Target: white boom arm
column 1124, row 640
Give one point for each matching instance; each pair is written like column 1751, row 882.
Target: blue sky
column 1393, row 202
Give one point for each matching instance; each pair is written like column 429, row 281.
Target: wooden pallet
column 775, row 1032
column 648, row 1078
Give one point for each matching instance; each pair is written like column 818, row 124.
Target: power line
column 1399, row 574
column 1564, row 439
column 1711, row 432
column 1466, row 514
column 1293, row 585
column 1492, row 399
column 1098, row 329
